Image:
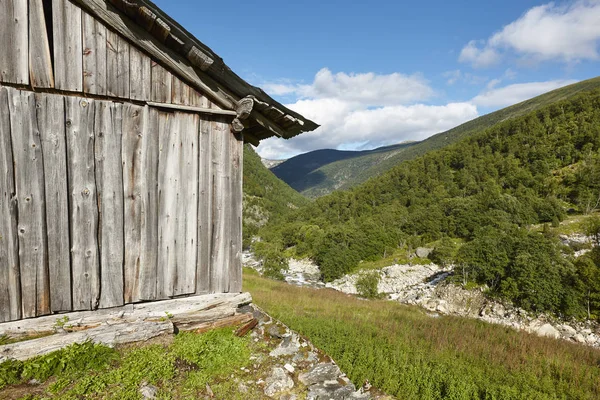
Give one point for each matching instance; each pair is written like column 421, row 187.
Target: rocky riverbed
column 427, row 286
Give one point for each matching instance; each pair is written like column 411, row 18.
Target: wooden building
column 120, row 157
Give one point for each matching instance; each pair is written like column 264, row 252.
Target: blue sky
column 382, row 72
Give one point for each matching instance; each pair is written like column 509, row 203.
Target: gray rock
column 320, row 373
column 569, row 331
column 579, row 338
column 423, row 252
column 275, row 331
column 548, row 331
column 277, row 382
column 289, row 346
column 148, row 391
column 332, row 390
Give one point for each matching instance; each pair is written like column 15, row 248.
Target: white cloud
column 568, row 33
column 516, row 93
column 366, row 110
column 344, row 122
column 478, row 57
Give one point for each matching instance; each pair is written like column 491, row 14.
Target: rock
column 277, row 382
column 548, row 331
column 333, row 390
column 289, row 368
column 275, row 331
column 320, row 373
column 569, row 331
column 289, row 346
column 148, row 391
column 579, row 338
column 423, row 252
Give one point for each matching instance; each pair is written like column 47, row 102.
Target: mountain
column 478, row 197
column 265, row 196
column 320, row 172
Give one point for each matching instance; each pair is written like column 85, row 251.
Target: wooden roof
column 146, row 25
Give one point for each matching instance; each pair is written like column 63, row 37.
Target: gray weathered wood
column 161, row 84
column 149, row 197
column 117, row 59
column 130, row 30
column 68, row 46
column 187, row 205
column 40, row 60
column 168, row 193
column 109, row 181
column 29, row 184
column 51, row 122
column 236, row 152
column 180, row 92
column 194, row 109
column 181, row 307
column 205, row 188
column 140, row 173
column 14, row 65
column 140, row 78
column 79, row 115
column 220, row 209
column 198, row 100
column 10, row 285
column 109, row 335
column 94, row 56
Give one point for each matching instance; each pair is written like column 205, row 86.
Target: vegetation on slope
column 320, row 172
column 486, row 190
column 265, row 196
column 409, row 354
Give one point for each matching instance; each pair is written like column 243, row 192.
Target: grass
column 406, row 353
column 180, row 368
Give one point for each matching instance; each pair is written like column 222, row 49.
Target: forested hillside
column 486, row 190
column 320, row 172
column 264, row 195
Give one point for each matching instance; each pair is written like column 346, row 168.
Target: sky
column 382, row 72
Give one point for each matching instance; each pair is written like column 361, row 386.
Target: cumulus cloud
column 568, row 33
column 345, row 124
column 504, row 96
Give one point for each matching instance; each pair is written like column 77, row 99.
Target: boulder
column 423, row 252
column 277, row 382
column 568, row 331
column 548, row 331
column 320, row 373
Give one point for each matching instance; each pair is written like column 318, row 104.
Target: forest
column 478, row 200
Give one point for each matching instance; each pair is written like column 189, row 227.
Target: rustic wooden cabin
column 121, row 139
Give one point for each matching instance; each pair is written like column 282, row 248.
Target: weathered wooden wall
column 105, row 199
column 104, row 203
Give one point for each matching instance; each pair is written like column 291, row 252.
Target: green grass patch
column 406, row 353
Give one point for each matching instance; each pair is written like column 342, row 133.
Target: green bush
column 366, row 285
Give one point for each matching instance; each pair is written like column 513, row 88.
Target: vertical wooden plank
column 14, row 65
column 220, row 210
column 205, row 187
column 149, row 210
column 236, row 151
column 117, row 50
column 180, row 92
column 140, row 174
column 109, row 182
column 140, row 78
column 198, row 100
column 83, row 206
column 10, row 285
column 168, row 192
column 161, row 84
column 68, row 46
column 94, row 56
column 51, row 122
column 29, row 183
column 40, row 60
column 187, row 205
column 132, row 159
